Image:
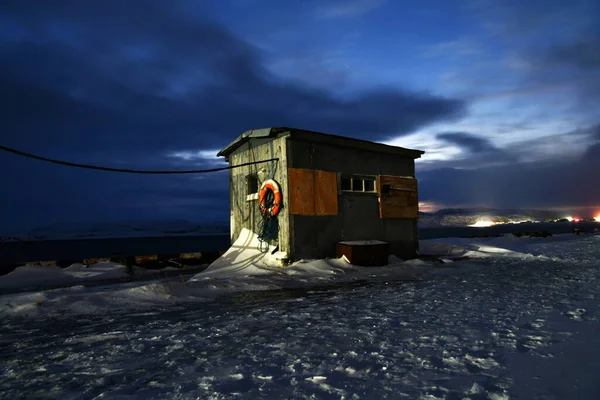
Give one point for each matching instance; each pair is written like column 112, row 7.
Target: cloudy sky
column 504, row 96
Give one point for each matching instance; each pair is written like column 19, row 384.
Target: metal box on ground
column 364, row 252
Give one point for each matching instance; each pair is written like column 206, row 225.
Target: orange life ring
column 273, row 186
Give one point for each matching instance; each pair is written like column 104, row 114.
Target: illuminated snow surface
column 519, row 319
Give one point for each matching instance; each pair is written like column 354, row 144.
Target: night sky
column 504, row 96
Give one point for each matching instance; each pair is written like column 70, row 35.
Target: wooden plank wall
column 245, row 212
column 402, row 201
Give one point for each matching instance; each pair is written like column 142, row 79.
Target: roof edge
column 326, row 137
column 245, row 137
column 367, row 144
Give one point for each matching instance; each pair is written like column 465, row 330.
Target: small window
column 251, row 184
column 346, row 183
column 357, row 183
column 369, row 185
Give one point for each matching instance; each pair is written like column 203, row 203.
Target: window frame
column 254, row 195
column 356, row 177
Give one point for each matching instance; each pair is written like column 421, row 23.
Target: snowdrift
column 37, row 276
column 32, row 276
column 244, row 268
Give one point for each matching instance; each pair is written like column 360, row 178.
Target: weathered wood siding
column 358, row 216
column 245, row 213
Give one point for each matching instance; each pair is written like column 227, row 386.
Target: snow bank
column 26, row 277
column 80, row 300
column 35, row 276
column 244, row 268
column 244, row 259
column 502, row 246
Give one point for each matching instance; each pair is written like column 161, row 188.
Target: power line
column 128, row 171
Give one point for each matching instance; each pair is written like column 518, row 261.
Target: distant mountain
column 176, row 227
column 470, row 216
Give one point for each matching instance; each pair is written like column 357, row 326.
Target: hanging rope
column 268, row 230
column 125, row 170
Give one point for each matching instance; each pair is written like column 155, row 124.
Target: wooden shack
column 334, row 189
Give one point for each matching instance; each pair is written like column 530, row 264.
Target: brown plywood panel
column 402, row 200
column 326, row 193
column 301, row 186
column 399, row 182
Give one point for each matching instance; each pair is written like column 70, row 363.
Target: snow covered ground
column 518, row 319
column 29, row 278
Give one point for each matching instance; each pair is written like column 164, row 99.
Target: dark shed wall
column 358, row 218
column 245, row 213
column 347, row 160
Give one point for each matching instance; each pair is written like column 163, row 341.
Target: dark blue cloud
column 581, row 52
column 467, row 141
column 550, row 183
column 124, row 85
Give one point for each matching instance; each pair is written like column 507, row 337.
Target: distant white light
column 483, row 224
column 569, row 218
column 597, row 219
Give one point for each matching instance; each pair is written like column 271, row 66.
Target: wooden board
column 398, row 182
column 402, row 201
column 301, row 187
column 312, row 192
column 326, row 193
